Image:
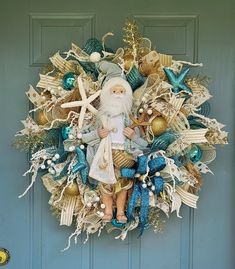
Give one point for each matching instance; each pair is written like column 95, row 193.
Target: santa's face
column 116, row 100
column 118, row 91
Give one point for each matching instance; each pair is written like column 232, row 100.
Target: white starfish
column 85, row 103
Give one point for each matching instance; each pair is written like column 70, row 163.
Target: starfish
column 177, row 81
column 85, row 103
column 140, row 122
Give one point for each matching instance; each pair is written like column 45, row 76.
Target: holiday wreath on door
column 120, row 138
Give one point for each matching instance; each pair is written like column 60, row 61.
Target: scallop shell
column 208, row 153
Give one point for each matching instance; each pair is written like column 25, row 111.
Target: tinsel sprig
column 131, row 38
column 36, row 141
column 156, row 219
column 200, row 80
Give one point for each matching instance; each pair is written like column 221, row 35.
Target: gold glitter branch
column 131, row 38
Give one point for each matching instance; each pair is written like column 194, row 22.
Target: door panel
column 199, row 31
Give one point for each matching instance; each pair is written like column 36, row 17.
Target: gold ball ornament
column 128, row 62
column 41, row 119
column 72, row 189
column 158, row 125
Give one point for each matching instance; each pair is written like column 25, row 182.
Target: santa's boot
column 121, row 203
column 107, row 200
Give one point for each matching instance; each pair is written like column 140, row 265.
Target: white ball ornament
column 102, row 206
column 157, row 174
column 82, row 146
column 150, row 193
column 43, row 166
column 144, row 185
column 153, row 188
column 49, row 162
column 141, row 110
column 57, row 156
column 95, row 57
column 150, row 112
column 101, row 214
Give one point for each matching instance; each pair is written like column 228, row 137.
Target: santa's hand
column 128, row 132
column 103, row 133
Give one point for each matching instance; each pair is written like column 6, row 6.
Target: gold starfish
column 140, row 122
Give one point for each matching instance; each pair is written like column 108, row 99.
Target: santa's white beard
column 115, row 104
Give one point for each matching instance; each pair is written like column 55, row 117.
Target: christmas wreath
column 120, row 138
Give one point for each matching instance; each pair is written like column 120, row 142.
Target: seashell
column 134, row 78
column 205, row 109
column 93, row 45
column 163, row 141
column 208, row 153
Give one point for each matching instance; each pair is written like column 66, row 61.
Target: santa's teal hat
column 114, row 76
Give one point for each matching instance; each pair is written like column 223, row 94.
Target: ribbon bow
column 148, row 182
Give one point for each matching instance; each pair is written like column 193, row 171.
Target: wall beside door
column 197, row 31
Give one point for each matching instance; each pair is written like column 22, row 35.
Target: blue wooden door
column 33, row 30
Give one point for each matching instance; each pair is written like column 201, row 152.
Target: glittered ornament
column 68, row 81
column 72, row 189
column 41, row 118
column 195, row 154
column 158, row 125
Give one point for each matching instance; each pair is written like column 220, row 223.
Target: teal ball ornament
column 65, row 131
column 195, row 154
column 68, row 81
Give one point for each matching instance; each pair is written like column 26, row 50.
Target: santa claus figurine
column 112, row 144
